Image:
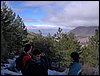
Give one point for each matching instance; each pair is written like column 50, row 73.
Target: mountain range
column 83, row 32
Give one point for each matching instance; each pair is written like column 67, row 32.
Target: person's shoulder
column 26, row 57
column 31, row 61
column 76, row 64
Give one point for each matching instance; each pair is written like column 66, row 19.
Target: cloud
column 68, row 13
column 81, row 13
column 35, row 11
column 46, row 26
column 31, row 27
column 82, row 9
column 31, row 20
column 18, row 9
column 15, row 7
column 37, row 3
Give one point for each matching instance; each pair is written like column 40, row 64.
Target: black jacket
column 34, row 68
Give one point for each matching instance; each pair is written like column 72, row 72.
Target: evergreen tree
column 64, row 45
column 90, row 53
column 13, row 29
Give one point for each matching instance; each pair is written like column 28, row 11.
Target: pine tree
column 13, row 28
column 7, row 17
column 64, row 45
column 90, row 53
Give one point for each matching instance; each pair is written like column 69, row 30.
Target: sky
column 53, row 14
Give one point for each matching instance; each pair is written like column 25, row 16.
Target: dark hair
column 36, row 52
column 75, row 56
column 27, row 47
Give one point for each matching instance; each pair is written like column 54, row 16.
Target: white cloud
column 36, row 3
column 45, row 26
column 82, row 9
column 68, row 13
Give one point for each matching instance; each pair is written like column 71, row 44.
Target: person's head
column 75, row 56
column 36, row 54
column 28, row 48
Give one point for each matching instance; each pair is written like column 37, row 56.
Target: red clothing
column 26, row 58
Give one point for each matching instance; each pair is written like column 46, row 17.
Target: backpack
column 19, row 63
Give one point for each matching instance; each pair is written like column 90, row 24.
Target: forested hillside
column 14, row 35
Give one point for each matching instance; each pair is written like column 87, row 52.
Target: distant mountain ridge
column 83, row 32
